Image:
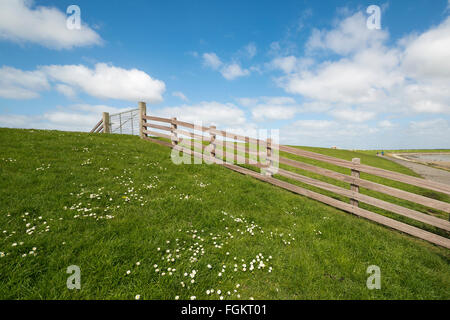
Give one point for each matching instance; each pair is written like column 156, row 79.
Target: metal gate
column 126, row 122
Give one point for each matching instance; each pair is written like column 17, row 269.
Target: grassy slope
column 434, row 165
column 375, row 161
column 374, row 152
column 167, row 198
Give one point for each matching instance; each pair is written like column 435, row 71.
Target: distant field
column 121, row 210
column 405, row 151
column 440, row 165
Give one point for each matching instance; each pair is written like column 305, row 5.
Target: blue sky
column 312, row 69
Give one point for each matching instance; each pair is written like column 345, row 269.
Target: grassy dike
column 137, row 224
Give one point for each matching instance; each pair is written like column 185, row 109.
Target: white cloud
column 277, row 100
column 427, row 125
column 18, row 84
column 327, row 133
column 385, row 124
column 247, row 102
column 96, row 109
column 211, row 60
column 357, row 75
column 76, row 120
column 427, row 55
column 104, row 81
column 428, row 98
column 431, row 133
column 352, row 115
column 193, row 53
column 314, row 124
column 16, row 121
column 81, row 117
column 229, row 71
column 270, row 108
column 273, row 112
column 286, row 64
column 21, row 22
column 362, row 79
column 65, row 90
column 251, row 50
column 208, row 112
column 290, row 64
column 233, row 71
column 108, row 82
column 180, row 95
column 366, row 73
column 350, row 35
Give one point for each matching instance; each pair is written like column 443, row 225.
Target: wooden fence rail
column 435, row 186
column 242, row 149
column 98, row 127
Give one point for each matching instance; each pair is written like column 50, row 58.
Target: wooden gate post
column 174, row 135
column 106, row 123
column 268, row 171
column 212, row 141
column 142, row 121
column 354, row 187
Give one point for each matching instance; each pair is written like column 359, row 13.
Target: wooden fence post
column 268, row 171
column 354, row 187
column 142, row 121
column 212, row 141
column 174, row 135
column 106, row 123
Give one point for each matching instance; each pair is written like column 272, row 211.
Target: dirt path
column 426, row 172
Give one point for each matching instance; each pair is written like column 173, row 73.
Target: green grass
column 430, row 164
column 374, row 152
column 376, row 161
column 47, row 176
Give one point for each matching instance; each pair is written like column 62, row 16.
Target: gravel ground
column 426, row 172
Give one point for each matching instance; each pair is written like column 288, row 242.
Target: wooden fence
column 126, row 122
column 100, row 127
column 243, row 151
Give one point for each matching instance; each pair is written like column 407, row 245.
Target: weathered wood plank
column 173, row 135
column 435, row 186
column 158, row 134
column 96, row 126
column 191, row 135
column 231, row 157
column 354, row 187
column 400, row 226
column 229, row 135
column 163, row 143
column 157, row 126
column 191, row 126
column 413, row 214
column 99, row 129
column 405, row 195
column 152, row 118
